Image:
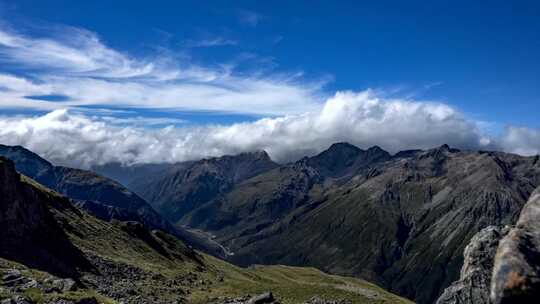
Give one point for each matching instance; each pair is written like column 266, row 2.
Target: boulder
column 473, row 284
column 11, row 274
column 64, row 285
column 16, row 300
column 266, row 297
column 516, row 272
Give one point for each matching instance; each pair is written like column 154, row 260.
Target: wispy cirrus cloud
column 209, row 42
column 78, row 65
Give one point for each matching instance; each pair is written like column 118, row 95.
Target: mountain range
column 101, row 196
column 401, row 221
column 53, row 252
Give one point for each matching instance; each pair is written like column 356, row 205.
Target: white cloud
column 209, row 42
column 77, row 52
column 360, row 118
column 140, row 121
column 524, row 141
column 77, row 64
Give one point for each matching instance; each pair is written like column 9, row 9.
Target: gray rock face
column 473, row 284
column 266, row 297
column 64, row 285
column 516, row 273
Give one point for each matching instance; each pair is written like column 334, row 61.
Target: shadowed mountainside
column 185, row 186
column 101, row 196
column 402, row 221
column 28, row 231
column 44, row 236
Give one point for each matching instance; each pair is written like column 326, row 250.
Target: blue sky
column 195, row 63
column 482, row 57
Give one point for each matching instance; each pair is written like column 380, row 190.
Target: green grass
column 34, row 295
column 78, row 295
column 291, row 285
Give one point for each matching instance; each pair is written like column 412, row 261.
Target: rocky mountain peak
column 377, row 152
column 257, row 155
column 336, row 158
column 342, row 147
column 446, row 149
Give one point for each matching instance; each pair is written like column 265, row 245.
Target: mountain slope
column 99, row 195
column 401, row 221
column 82, row 185
column 185, row 186
column 123, row 262
column 28, row 232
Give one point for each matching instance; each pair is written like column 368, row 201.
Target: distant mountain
column 101, row 196
column 125, row 174
column 53, row 252
column 402, row 221
column 82, row 185
column 184, row 186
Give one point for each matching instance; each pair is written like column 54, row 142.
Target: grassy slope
column 289, row 284
column 293, row 284
column 168, row 259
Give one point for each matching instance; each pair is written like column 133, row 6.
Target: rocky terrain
column 400, row 220
column 423, row 224
column 474, row 281
column 53, row 252
column 516, row 270
column 501, row 263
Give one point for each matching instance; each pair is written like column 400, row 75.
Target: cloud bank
column 524, row 141
column 360, row 118
column 81, row 82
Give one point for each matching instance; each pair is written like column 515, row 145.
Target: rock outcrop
column 473, row 284
column 516, row 273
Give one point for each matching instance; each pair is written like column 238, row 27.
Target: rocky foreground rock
column 501, row 265
column 475, row 278
column 516, row 273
